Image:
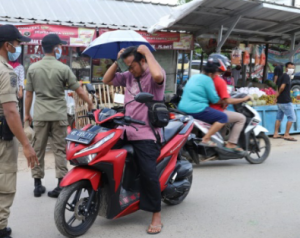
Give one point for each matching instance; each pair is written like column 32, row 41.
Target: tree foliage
column 183, row 1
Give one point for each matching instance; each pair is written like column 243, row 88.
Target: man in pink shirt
column 142, row 66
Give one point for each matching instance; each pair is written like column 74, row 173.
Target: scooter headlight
column 84, row 160
column 98, row 144
column 255, row 122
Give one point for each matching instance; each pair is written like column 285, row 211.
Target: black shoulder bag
column 158, row 114
column 5, row 132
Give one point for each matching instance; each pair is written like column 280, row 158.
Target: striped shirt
column 19, row 70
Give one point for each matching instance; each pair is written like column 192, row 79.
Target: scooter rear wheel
column 71, row 217
column 177, row 200
column 254, row 156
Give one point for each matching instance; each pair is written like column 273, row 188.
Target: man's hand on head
column 142, row 49
column 120, row 53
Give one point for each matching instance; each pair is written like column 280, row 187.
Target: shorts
column 286, row 109
column 210, row 115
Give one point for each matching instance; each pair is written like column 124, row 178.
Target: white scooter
column 252, row 140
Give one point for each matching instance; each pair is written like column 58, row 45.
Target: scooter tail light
column 182, row 118
column 172, row 116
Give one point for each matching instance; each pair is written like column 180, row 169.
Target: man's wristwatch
column 116, row 62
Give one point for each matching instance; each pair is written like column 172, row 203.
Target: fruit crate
column 268, row 116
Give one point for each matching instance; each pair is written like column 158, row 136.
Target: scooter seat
column 171, row 130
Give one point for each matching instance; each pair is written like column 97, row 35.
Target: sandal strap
column 210, row 143
column 157, row 226
column 237, row 147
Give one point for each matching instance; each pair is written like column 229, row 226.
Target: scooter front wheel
column 76, row 209
column 259, row 148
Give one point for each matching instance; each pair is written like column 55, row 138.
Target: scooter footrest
column 205, row 151
column 128, row 197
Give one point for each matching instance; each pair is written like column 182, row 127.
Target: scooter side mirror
column 90, row 88
column 143, row 97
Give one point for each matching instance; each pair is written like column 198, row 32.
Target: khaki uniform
column 8, row 149
column 48, row 78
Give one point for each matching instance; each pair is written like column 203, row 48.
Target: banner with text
column 75, row 36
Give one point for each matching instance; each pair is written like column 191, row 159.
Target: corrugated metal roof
column 260, row 20
column 100, row 13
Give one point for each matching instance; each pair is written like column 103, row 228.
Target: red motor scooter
column 105, row 180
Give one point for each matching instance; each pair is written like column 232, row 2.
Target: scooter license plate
column 81, row 137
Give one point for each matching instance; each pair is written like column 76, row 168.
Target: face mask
column 290, row 71
column 16, row 55
column 58, row 55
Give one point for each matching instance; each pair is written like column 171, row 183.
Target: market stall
column 78, row 38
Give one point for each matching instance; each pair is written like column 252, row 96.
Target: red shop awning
column 166, row 40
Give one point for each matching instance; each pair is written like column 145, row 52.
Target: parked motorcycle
column 252, row 140
column 105, row 181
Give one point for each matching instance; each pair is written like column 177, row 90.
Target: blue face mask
column 16, row 55
column 58, row 55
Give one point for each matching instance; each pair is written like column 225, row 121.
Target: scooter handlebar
column 138, row 122
column 130, row 120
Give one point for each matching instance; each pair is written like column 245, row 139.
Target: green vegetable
column 255, row 96
column 271, row 84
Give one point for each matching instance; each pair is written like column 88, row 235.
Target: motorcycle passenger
column 198, row 93
column 238, row 119
column 143, row 67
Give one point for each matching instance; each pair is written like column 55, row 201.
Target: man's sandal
column 208, row 144
column 235, row 149
column 289, row 139
column 152, row 227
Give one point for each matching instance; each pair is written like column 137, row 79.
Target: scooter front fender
column 79, row 173
column 258, row 129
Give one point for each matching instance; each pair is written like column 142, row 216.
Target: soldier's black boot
column 5, row 233
column 55, row 192
column 39, row 189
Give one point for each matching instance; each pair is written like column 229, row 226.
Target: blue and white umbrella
column 108, row 45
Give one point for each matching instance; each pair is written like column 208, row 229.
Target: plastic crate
column 270, row 76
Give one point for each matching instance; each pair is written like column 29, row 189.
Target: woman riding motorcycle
column 198, row 93
column 236, row 118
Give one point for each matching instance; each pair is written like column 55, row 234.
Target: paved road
column 230, row 199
